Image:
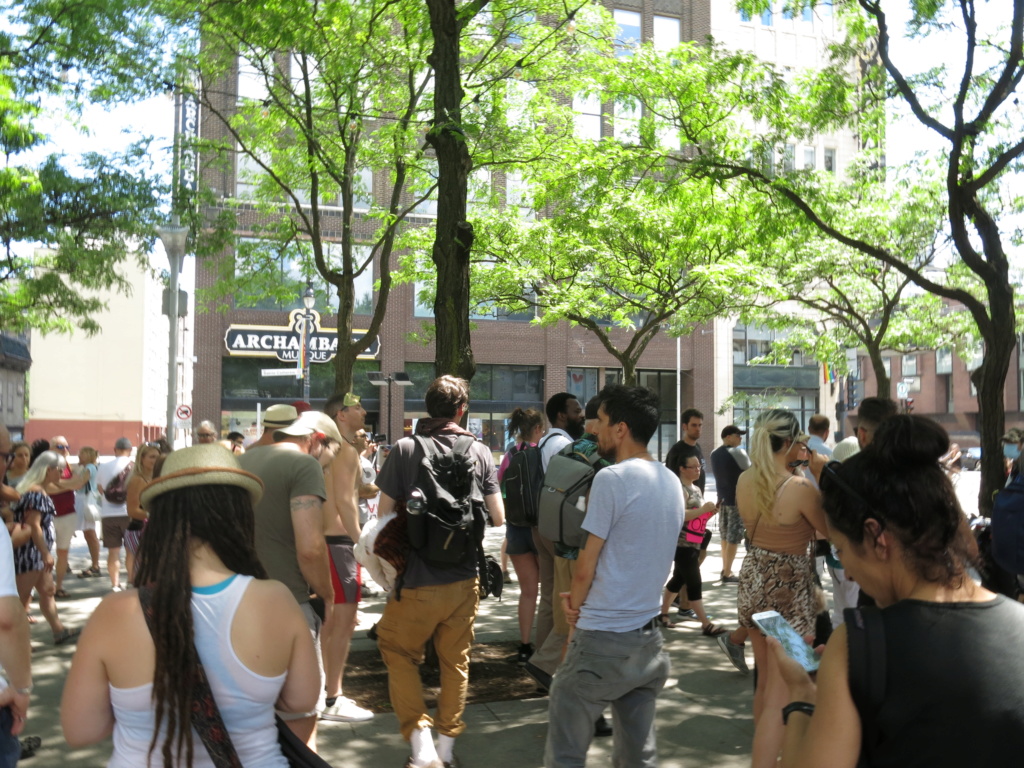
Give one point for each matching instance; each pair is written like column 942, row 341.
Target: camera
column 377, row 438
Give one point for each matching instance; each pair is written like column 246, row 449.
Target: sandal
column 666, row 622
column 66, row 636
column 89, row 573
column 713, row 630
column 62, row 594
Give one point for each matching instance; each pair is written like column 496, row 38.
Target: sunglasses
column 61, row 447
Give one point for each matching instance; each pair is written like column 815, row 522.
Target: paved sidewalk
column 704, row 713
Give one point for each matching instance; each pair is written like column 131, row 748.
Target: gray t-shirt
column 637, row 508
column 286, row 474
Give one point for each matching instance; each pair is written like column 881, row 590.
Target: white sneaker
column 344, row 710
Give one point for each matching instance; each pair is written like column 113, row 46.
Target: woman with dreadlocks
column 210, row 602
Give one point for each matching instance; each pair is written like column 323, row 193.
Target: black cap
column 732, row 429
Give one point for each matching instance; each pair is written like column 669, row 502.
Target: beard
column 575, row 429
column 606, row 453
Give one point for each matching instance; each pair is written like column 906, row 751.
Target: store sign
column 285, row 343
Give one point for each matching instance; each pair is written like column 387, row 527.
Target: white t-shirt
column 104, row 476
column 637, row 507
column 555, row 440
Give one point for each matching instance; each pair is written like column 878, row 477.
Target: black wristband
column 796, row 706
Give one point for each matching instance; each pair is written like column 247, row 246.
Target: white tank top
column 244, row 698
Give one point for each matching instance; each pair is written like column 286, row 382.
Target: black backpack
column 117, row 491
column 446, row 514
column 1008, row 526
column 523, row 479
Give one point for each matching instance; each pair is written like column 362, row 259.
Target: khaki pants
column 444, row 613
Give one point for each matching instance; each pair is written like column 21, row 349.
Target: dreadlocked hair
column 220, row 516
column 772, row 430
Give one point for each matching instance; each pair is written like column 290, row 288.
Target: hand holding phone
column 772, row 624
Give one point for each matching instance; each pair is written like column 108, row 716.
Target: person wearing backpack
column 431, row 602
column 112, row 481
column 526, row 426
column 615, row 656
column 567, row 420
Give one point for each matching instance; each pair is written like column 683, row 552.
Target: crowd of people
column 224, row 540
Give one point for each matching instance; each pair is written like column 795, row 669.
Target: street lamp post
column 308, row 301
column 174, row 238
column 378, row 379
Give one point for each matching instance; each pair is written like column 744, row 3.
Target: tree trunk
column 884, row 386
column 453, row 239
column 990, row 380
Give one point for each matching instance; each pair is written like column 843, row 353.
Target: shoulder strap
column 865, row 631
column 427, row 444
column 206, row 717
column 546, row 438
column 463, row 444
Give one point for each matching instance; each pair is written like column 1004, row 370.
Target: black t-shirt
column 727, row 472
column 954, row 692
column 684, row 450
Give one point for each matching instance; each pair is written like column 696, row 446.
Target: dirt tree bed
column 492, row 677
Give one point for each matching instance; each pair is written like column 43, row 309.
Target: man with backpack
column 441, row 469
column 633, row 518
column 566, row 417
column 112, row 481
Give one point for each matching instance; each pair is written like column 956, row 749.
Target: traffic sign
column 183, row 412
column 296, row 372
column 902, row 390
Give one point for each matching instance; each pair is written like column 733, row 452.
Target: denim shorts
column 520, row 540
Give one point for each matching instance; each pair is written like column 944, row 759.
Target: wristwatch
column 796, row 706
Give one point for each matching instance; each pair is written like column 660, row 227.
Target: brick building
column 519, row 363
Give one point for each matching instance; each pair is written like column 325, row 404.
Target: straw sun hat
column 210, row 464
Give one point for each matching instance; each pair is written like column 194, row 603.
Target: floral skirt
column 772, row 581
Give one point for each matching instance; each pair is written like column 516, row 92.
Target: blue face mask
column 1011, row 450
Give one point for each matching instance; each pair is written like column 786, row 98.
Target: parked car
column 971, row 458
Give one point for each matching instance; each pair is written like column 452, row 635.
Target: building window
column 587, row 110
column 252, row 85
column 789, row 158
column 948, row 379
column 666, row 33
column 744, row 16
column 830, row 160
column 584, row 383
column 427, row 206
column 806, row 14
column 241, row 380
column 810, row 159
column 518, row 194
column 626, row 124
column 766, row 17
column 629, row 33
column 944, row 360
column 910, row 365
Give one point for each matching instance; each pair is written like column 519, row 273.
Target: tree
column 327, row 92
column 518, row 39
column 832, row 298
column 972, row 106
column 67, row 223
column 616, row 250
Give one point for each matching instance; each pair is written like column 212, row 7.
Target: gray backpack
column 563, row 497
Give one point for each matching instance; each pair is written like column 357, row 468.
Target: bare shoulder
column 273, row 601
column 347, row 458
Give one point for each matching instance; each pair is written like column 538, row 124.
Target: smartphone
column 772, row 624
